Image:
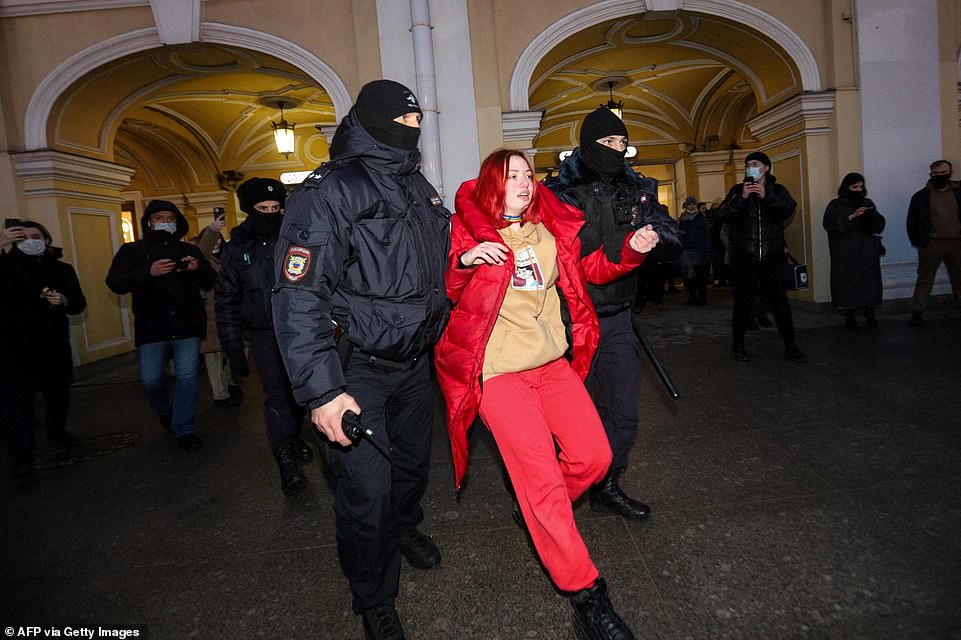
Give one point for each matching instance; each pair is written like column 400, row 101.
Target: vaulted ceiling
column 182, row 115
column 687, row 82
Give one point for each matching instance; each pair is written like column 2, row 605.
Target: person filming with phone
column 165, row 277
column 756, row 211
column 39, row 291
column 854, row 228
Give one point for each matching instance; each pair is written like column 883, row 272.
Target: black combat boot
column 292, row 480
column 303, row 451
column 607, row 496
column 594, row 615
column 870, row 319
column 382, row 623
column 850, row 320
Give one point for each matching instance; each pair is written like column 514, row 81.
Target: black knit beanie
column 601, row 123
column 378, row 103
column 760, row 157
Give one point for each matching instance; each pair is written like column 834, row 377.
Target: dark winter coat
column 919, row 214
column 167, row 307
column 855, row 247
column 757, row 226
column 25, row 316
column 478, row 292
column 614, row 209
column 243, row 289
column 696, row 238
column 363, row 244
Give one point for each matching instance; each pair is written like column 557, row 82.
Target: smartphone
column 219, row 213
column 12, row 222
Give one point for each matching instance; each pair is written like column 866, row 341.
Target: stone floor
column 789, row 501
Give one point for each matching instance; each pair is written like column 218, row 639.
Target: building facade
column 107, row 104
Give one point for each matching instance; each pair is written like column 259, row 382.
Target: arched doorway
column 128, row 123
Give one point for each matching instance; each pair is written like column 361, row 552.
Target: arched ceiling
column 182, row 115
column 686, row 82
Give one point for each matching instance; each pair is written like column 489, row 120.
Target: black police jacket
column 757, row 226
column 244, row 284
column 167, row 307
column 614, row 209
column 364, row 245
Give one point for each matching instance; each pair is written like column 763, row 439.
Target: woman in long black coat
column 854, row 227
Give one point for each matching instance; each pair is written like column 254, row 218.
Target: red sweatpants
column 527, row 412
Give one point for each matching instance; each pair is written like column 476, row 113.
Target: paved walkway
column 789, row 501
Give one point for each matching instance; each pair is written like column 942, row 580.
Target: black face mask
column 266, row 225
column 602, row 160
column 940, row 182
column 855, row 197
column 393, row 134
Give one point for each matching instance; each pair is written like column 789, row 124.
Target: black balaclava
column 378, row 104
column 257, row 190
column 854, row 197
column 602, row 160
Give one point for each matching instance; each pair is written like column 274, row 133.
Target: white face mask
column 754, row 172
column 169, row 227
column 32, row 246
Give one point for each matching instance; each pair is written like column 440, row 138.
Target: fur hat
column 257, row 190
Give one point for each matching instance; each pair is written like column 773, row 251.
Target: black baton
column 649, row 350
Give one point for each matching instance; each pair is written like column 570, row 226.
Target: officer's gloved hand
column 238, row 362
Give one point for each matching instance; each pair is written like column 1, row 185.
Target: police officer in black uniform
column 242, row 305
column 359, row 302
column 596, row 179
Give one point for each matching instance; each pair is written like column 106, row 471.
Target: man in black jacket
column 934, row 227
column 242, row 303
column 359, row 302
column 165, row 277
column 757, row 210
column 616, row 201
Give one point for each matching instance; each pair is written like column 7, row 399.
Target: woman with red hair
column 518, row 285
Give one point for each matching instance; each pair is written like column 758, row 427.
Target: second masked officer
column 359, row 302
column 597, row 179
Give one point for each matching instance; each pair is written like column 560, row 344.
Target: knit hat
column 378, row 103
column 760, row 157
column 600, row 123
column 386, row 99
column 257, row 190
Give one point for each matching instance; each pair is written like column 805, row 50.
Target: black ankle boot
column 850, row 320
column 607, row 496
column 594, row 615
column 303, row 451
column 870, row 319
column 292, row 480
column 739, row 352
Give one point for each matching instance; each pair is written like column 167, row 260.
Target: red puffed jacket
column 478, row 292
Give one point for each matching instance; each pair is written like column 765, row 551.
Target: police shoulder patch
column 297, row 263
